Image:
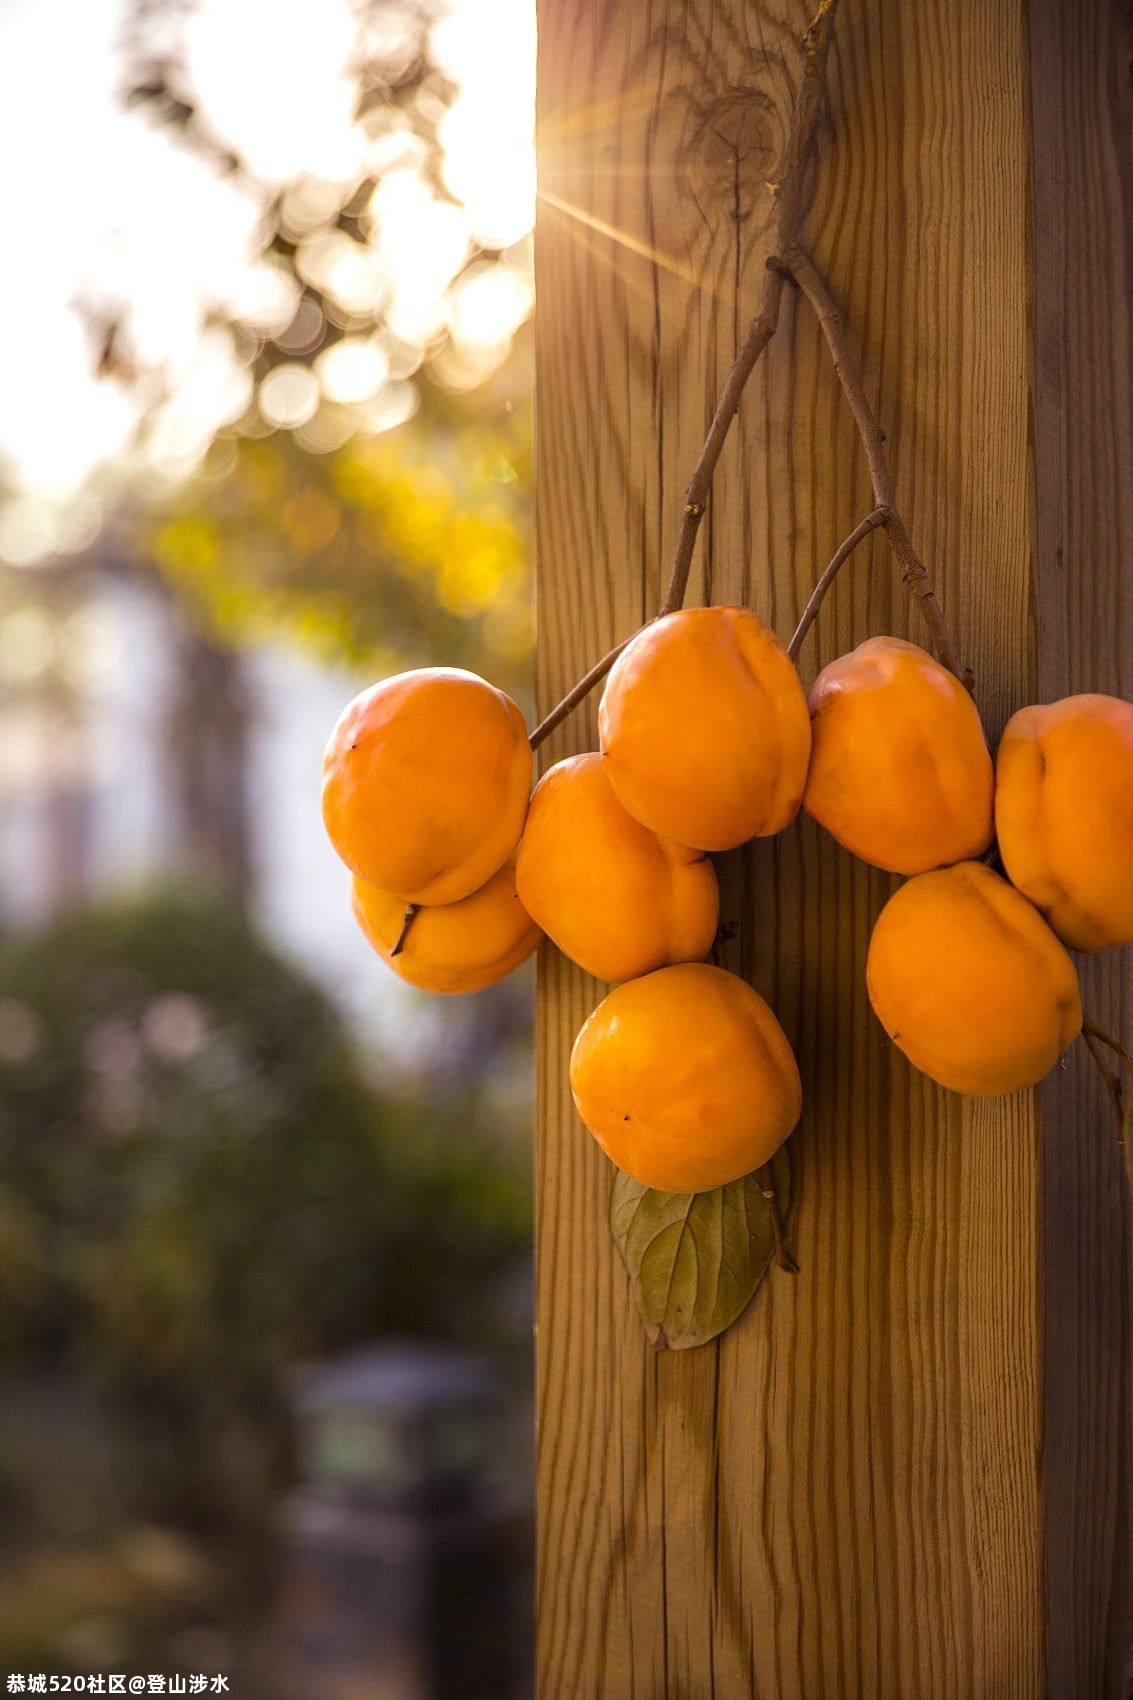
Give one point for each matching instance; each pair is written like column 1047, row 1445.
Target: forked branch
column 914, row 574
column 792, row 198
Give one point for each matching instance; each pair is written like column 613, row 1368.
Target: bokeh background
column 265, row 435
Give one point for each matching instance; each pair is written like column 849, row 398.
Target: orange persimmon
column 615, row 897
column 969, row 981
column 426, row 779
column 1064, row 815
column 450, row 947
column 685, row 1078
column 900, row 772
column 704, row 729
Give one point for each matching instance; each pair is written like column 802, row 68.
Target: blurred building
column 136, row 753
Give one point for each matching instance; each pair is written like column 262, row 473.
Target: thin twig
column 792, row 198
column 914, row 574
column 842, row 554
column 1112, row 1079
column 783, row 1257
column 759, row 334
column 578, row 694
column 1091, row 1030
column 1119, row 1091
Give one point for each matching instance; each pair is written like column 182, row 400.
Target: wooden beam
column 845, row 1496
column 1082, row 388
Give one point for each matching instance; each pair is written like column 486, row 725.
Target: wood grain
column 1082, row 174
column 844, row 1497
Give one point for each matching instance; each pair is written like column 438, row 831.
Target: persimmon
column 616, row 898
column 1064, row 815
column 426, row 779
column 969, row 981
column 900, row 771
column 704, row 729
column 685, row 1078
column 450, row 947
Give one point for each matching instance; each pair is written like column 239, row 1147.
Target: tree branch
column 842, row 554
column 792, row 199
column 577, row 694
column 914, row 574
column 759, row 334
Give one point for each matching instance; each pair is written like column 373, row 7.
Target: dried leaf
column 695, row 1258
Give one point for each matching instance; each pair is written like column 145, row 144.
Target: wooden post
column 906, row 1471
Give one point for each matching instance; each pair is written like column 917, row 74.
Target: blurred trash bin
column 407, row 1550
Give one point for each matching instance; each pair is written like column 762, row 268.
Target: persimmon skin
column 614, row 897
column 685, row 1078
column 704, row 729
column 450, row 947
column 969, row 981
column 900, row 772
column 426, row 778
column 1064, row 815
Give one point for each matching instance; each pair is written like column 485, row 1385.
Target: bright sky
column 100, row 205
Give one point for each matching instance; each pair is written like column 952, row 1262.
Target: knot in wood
column 736, row 144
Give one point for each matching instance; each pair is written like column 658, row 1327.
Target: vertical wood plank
column 1082, row 123
column 843, row 1497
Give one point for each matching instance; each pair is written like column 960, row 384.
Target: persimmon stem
column 841, row 555
column 792, row 198
column 406, row 922
column 914, row 574
column 783, row 1257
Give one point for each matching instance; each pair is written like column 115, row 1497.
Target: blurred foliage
column 400, row 98
column 393, row 551
column 383, row 551
column 197, row 1188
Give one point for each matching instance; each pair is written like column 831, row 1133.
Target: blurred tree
column 329, row 511
column 207, row 730
column 397, row 550
column 197, row 1187
column 338, row 241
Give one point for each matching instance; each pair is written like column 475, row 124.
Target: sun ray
column 590, row 221
column 611, row 114
column 601, row 253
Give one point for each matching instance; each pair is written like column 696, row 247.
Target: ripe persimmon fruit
column 900, row 772
column 685, row 1078
column 426, row 780
column 969, row 981
column 616, row 898
column 704, row 729
column 450, row 947
column 1064, row 815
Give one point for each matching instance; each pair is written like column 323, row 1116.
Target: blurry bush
column 196, row 1188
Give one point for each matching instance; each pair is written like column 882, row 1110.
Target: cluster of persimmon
column 707, row 739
